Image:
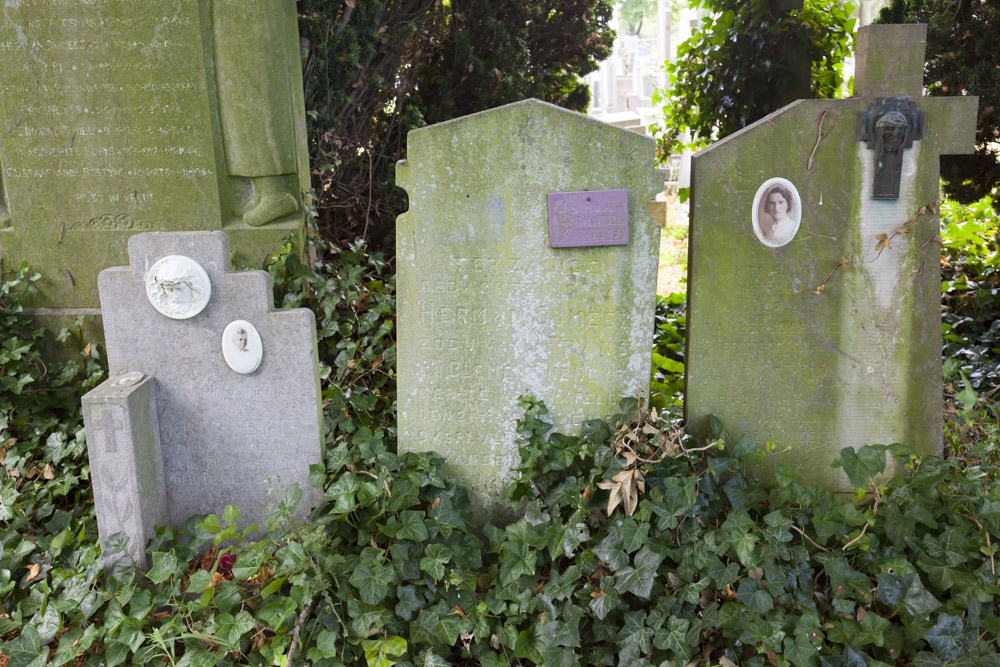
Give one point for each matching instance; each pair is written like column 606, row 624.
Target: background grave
column 111, row 122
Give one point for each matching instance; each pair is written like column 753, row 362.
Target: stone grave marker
column 814, row 276
column 116, row 119
column 490, row 308
column 213, row 398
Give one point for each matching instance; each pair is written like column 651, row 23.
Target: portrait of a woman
column 776, row 212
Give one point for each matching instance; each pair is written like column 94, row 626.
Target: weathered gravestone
column 118, row 117
column 213, row 398
column 814, row 287
column 508, row 285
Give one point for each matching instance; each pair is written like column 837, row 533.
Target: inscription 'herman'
column 597, row 218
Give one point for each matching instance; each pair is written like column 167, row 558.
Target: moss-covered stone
column 110, row 125
column 488, row 311
column 825, row 342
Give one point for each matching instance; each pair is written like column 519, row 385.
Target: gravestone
column 117, row 119
column 490, row 307
column 233, row 383
column 814, row 291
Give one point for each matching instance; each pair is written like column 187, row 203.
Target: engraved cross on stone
column 890, row 73
column 109, row 428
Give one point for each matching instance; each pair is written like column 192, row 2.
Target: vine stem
column 299, row 622
column 803, row 534
column 819, row 137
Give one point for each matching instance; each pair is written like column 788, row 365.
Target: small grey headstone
column 123, row 444
column 227, row 438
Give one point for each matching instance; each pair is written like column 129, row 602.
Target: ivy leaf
column 47, row 624
column 919, row 601
column 634, row 638
column 164, row 566
column 872, row 631
column 800, row 651
column 413, row 527
column 433, row 562
column 372, row 582
column 862, row 465
column 25, row 650
column 408, row 604
column 610, row 551
column 946, row 637
column 674, row 636
column 606, row 601
column 639, row 580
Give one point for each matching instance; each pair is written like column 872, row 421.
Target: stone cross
column 814, row 282
column 491, row 307
column 184, row 116
column 233, row 382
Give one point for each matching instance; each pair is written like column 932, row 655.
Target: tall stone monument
column 116, row 118
column 526, row 265
column 814, row 275
column 213, row 398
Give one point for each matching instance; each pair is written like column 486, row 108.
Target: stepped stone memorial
column 214, row 395
column 117, row 118
column 526, row 265
column 814, row 273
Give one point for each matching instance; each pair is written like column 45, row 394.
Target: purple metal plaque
column 595, row 218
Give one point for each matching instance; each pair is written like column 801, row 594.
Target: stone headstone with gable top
column 119, row 116
column 814, row 285
column 234, row 384
column 526, row 265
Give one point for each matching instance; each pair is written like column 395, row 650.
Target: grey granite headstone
column 227, row 437
column 123, row 443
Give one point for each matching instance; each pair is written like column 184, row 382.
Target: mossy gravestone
column 118, row 117
column 814, row 287
column 491, row 307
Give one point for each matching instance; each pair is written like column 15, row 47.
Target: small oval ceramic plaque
column 241, row 347
column 178, row 287
column 776, row 212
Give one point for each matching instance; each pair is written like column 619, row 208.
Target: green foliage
column 738, row 66
column 42, row 448
column 353, row 293
column 971, row 292
column 375, row 69
column 389, row 571
column 961, row 60
column 667, row 382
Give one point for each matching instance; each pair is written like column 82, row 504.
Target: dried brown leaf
column 883, row 242
column 33, row 571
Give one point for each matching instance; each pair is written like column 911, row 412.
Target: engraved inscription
column 102, row 95
column 114, row 222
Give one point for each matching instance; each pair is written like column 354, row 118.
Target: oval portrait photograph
column 241, row 347
column 777, row 212
column 178, row 287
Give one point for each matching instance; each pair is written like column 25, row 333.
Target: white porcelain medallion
column 241, row 347
column 178, row 287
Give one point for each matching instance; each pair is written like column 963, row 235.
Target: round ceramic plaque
column 178, row 287
column 776, row 213
column 241, row 347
